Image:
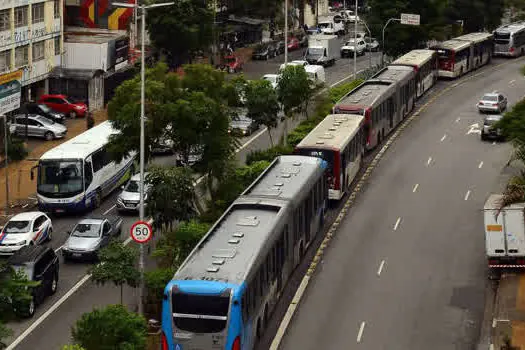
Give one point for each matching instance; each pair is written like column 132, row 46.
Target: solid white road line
column 360, row 333
column 415, row 188
column 397, row 223
column 59, row 248
column 429, row 160
column 480, row 165
column 381, row 267
column 467, row 195
column 443, row 138
column 110, row 209
column 348, row 77
column 56, row 305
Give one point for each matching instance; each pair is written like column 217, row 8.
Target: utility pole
column 383, row 38
column 285, row 31
column 6, row 168
column 355, row 40
column 144, row 9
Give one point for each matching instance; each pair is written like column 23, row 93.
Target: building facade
column 97, row 14
column 31, row 41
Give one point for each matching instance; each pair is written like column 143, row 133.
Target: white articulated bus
column 509, row 40
column 425, row 63
column 77, row 174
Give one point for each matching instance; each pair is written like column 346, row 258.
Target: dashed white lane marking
column 429, row 160
column 380, row 267
column 415, row 188
column 467, row 195
column 480, row 165
column 457, row 120
column 110, row 209
column 59, row 248
column 443, row 138
column 512, row 81
column 397, row 223
column 360, row 332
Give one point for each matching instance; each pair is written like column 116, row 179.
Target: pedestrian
column 305, row 27
column 90, row 121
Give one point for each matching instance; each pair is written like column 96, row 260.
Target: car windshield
column 490, row 122
column 86, row 230
column 44, row 108
column 59, row 178
column 45, row 121
column 490, row 98
column 21, row 226
column 133, row 186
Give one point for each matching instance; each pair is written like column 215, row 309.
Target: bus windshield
column 200, row 313
column 60, row 178
column 501, row 38
column 443, row 53
column 324, row 154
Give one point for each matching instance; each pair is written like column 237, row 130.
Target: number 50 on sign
column 141, row 232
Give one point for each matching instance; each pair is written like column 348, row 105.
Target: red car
column 293, row 44
column 232, row 64
column 60, row 103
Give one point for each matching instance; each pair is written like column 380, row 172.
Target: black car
column 264, row 51
column 44, row 111
column 40, row 264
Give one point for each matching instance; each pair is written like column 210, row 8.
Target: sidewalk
column 509, row 311
column 21, row 189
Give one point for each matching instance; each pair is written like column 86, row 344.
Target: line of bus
column 509, row 40
column 77, row 174
column 224, row 293
column 463, row 54
column 425, row 63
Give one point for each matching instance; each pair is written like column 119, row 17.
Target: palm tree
column 515, row 190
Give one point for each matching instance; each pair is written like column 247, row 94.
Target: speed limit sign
column 141, row 232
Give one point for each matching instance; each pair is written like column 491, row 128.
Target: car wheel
column 73, row 114
column 31, row 307
column 49, row 136
column 50, row 235
column 54, row 285
column 483, row 137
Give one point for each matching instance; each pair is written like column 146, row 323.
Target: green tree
column 111, row 328
column 15, row 292
column 4, row 333
column 181, row 29
column 72, row 347
column 117, row 265
column 155, row 281
column 263, row 104
column 172, row 195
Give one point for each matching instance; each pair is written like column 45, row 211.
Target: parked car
column 273, row 79
column 241, row 125
column 264, row 51
column 40, row 264
column 129, row 198
column 62, row 104
column 89, row 236
column 231, row 64
column 39, row 126
column 492, row 102
column 293, row 44
column 489, row 131
column 348, row 48
column 29, row 228
column 45, row 111
column 372, row 44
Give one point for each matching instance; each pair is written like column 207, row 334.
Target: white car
column 294, row 63
column 23, row 229
column 347, row 50
column 273, row 79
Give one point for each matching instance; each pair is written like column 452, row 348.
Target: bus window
column 200, row 305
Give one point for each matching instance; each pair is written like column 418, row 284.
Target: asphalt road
column 56, row 315
column 407, row 268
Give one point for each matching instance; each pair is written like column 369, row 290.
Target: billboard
column 118, row 51
column 10, row 91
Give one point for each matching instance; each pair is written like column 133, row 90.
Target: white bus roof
column 475, row 37
column 415, row 58
column 82, row 145
column 453, row 44
column 334, row 132
column 512, row 27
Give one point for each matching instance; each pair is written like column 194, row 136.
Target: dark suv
column 40, row 264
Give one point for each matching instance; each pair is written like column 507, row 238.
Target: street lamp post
column 285, row 31
column 6, row 164
column 144, row 9
column 355, row 40
column 369, row 47
column 383, row 38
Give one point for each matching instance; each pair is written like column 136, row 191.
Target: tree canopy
column 263, row 104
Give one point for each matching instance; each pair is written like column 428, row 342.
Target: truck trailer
column 322, row 50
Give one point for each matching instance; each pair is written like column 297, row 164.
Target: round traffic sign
column 141, row 232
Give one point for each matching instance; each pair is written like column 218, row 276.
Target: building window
column 57, row 46
column 38, row 51
column 37, row 13
column 21, row 56
column 21, row 16
column 5, row 61
column 4, row 20
column 56, row 9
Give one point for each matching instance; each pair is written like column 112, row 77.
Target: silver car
column 89, row 236
column 489, row 131
column 492, row 102
column 39, row 126
column 129, row 198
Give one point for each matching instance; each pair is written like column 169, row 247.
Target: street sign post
column 410, row 19
column 141, row 232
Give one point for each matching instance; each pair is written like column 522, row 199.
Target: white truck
column 504, row 233
column 322, row 50
column 332, row 24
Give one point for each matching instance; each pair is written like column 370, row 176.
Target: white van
column 316, row 73
column 332, row 25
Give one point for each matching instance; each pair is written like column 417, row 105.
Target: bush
column 269, row 154
column 16, row 149
column 336, row 93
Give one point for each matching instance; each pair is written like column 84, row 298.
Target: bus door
column 344, row 162
column 390, row 108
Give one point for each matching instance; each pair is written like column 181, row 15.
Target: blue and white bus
column 224, row 293
column 78, row 173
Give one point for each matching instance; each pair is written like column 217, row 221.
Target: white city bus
column 509, row 40
column 77, row 174
column 425, row 63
